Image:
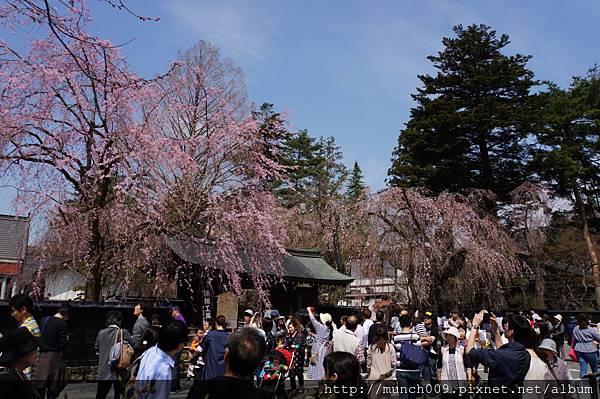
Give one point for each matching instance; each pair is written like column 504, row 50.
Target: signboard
column 227, row 305
column 206, row 305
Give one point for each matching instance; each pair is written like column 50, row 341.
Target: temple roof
column 299, row 265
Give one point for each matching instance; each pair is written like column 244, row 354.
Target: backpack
column 412, row 356
column 121, row 353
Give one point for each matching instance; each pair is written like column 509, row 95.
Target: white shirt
column 535, row 375
column 153, row 380
column 345, row 341
column 360, row 333
column 367, row 326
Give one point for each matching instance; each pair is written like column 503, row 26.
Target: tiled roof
column 14, row 233
column 298, row 265
column 35, row 262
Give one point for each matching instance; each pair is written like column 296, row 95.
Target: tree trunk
column 589, row 244
column 539, row 297
column 524, row 298
column 93, row 286
column 413, row 299
column 337, row 251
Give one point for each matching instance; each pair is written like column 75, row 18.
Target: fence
column 87, row 319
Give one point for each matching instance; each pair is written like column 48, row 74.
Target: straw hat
column 452, row 331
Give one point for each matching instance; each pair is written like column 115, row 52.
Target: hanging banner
column 207, row 305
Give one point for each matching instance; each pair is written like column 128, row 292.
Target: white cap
column 248, row 312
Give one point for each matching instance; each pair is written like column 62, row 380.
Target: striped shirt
column 420, row 329
column 584, row 339
column 33, row 327
column 399, row 340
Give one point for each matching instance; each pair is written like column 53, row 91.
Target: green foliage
column 272, row 128
column 315, row 171
column 330, row 174
column 300, row 156
column 356, row 187
column 471, row 119
column 567, row 154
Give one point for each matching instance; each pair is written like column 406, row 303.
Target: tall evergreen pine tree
column 356, row 188
column 330, row 176
column 471, row 119
column 300, row 154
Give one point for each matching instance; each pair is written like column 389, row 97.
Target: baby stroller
column 271, row 379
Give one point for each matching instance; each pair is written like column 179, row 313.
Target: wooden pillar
column 3, row 287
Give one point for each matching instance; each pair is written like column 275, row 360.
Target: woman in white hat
column 454, row 367
column 557, row 374
column 322, row 344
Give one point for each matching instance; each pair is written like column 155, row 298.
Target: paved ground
column 88, row 391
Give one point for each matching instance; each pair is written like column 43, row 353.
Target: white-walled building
column 364, row 291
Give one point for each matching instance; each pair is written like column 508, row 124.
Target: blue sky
column 346, row 68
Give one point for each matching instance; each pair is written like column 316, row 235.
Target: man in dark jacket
column 50, row 372
column 245, row 350
column 508, row 364
column 140, row 326
column 18, row 351
column 379, row 316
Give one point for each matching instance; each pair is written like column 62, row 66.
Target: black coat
column 14, row 385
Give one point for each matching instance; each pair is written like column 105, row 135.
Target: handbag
column 572, row 353
column 314, row 356
column 121, row 353
column 412, row 356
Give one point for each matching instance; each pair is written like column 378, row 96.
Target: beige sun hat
column 325, row 318
column 558, row 317
column 452, row 331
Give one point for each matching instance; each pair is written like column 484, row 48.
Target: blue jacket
column 213, row 348
column 508, row 364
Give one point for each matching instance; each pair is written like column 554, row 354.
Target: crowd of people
column 269, row 355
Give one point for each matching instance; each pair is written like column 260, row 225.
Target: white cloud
column 234, row 26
